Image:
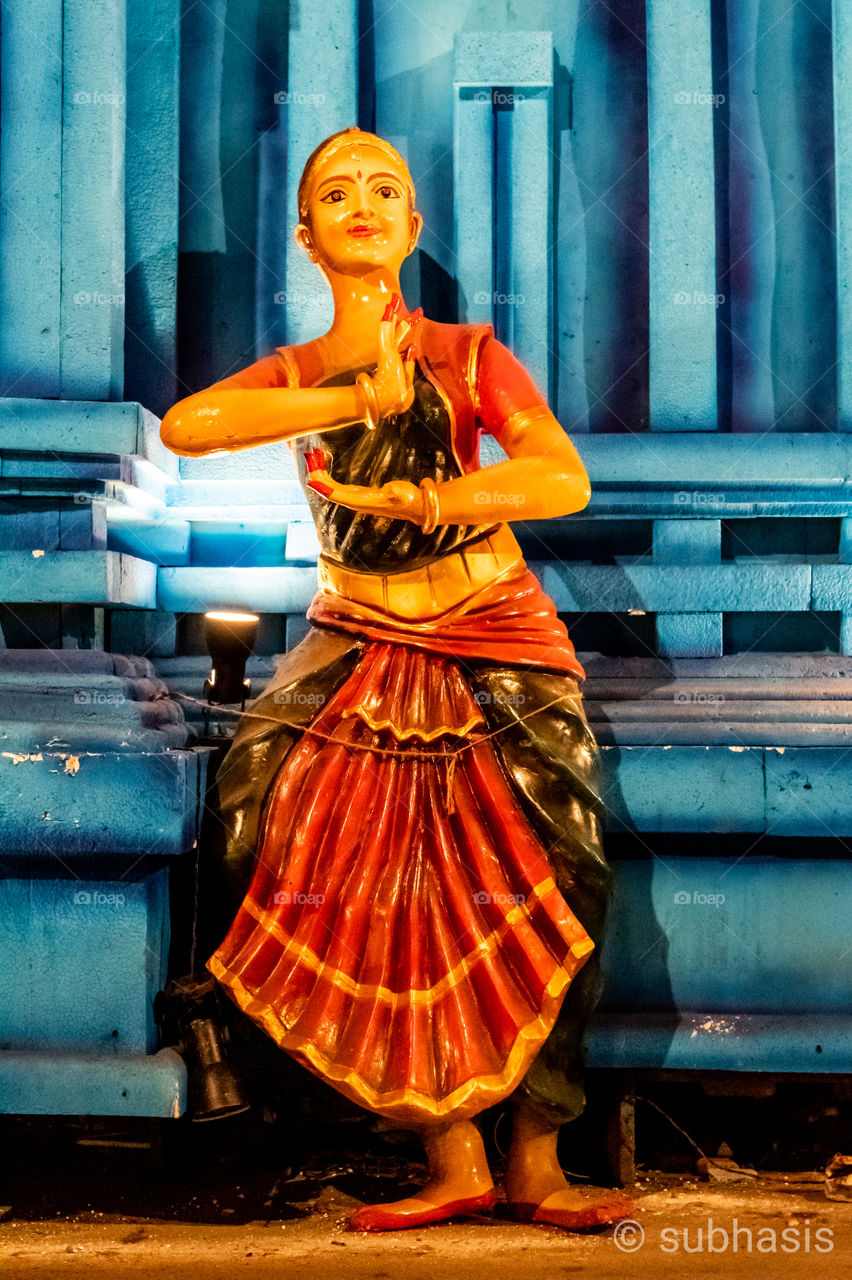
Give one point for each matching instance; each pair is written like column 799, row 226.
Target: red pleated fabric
column 402, row 935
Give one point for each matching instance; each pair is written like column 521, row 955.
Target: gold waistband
column 435, row 587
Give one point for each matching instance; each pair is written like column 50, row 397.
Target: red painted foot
column 380, row 1217
column 600, row 1213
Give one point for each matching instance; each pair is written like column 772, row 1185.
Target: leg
column 552, row 758
column 552, row 1094
column 537, row 1188
column 459, row 1182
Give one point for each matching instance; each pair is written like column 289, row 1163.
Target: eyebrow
column 345, row 178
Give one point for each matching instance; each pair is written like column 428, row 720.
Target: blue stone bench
column 100, row 791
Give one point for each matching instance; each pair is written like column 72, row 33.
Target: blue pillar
column 531, row 279
column 750, row 281
column 512, row 73
column 321, row 97
column 202, row 218
column 31, row 208
column 93, row 129
column 473, row 191
column 152, row 198
column 842, row 51
column 682, row 223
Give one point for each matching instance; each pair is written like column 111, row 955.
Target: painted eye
column 389, row 193
column 333, row 197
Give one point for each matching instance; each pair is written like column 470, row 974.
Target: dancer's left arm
column 542, row 477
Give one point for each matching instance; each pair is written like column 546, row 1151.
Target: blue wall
column 689, row 151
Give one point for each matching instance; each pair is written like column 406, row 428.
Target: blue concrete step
column 93, row 1084
column 38, row 466
column 220, row 497
column 84, row 704
column 757, row 586
column 52, row 524
column 811, row 1044
column 785, row 790
column 825, row 670
column 262, row 590
column 35, row 663
column 165, row 542
column 127, row 481
column 27, row 737
column 692, row 933
column 709, row 966
column 85, row 957
column 99, row 791
column 78, row 577
column 84, row 427
column 81, row 804
column 682, row 459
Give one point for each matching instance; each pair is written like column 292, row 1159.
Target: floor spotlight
column 230, row 641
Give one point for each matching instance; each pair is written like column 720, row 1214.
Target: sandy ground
column 268, row 1194
column 684, row 1228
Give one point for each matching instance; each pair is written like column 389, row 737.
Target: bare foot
column 460, row 1183
column 433, row 1204
column 576, row 1211
column 538, row 1190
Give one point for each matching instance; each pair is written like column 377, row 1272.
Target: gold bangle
column 371, row 412
column 429, row 490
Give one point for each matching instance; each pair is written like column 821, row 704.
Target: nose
column 364, row 203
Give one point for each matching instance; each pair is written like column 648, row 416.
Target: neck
column 359, row 304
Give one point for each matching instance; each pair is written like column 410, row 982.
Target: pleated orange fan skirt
column 402, row 935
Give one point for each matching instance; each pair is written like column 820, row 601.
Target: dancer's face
column 358, row 215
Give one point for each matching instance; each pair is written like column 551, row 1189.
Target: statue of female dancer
column 411, row 807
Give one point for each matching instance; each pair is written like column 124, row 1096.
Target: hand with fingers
column 390, row 390
column 393, row 383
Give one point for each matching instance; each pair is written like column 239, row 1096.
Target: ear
column 416, row 228
column 303, row 240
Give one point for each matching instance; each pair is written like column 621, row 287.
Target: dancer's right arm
column 221, row 420
column 257, row 407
